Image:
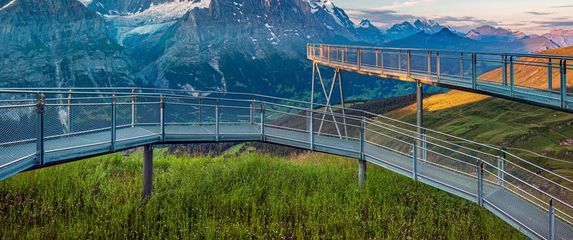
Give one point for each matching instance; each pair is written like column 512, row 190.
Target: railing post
column 480, row 183
column 200, row 110
column 563, row 83
column 550, row 76
column 162, row 117
column 500, row 171
column 462, row 66
column 511, row 77
column 69, row 118
column 252, row 113
column 359, row 58
column 408, row 62
column 328, row 53
column 474, row 71
column 551, row 220
column 40, row 109
column 415, row 162
column 429, row 65
column 113, row 122
column 263, row 138
column 217, row 122
column 504, row 71
column 377, row 57
column 381, row 60
column 438, row 66
column 311, row 129
column 362, row 158
column 400, row 60
column 362, row 138
column 133, row 108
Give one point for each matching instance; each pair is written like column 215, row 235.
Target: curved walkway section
column 40, row 129
column 460, row 70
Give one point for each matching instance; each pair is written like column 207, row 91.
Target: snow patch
column 8, row 5
column 86, row 2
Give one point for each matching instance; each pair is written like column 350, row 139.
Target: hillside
column 249, row 196
column 501, row 122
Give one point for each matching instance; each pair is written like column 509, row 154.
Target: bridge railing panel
column 19, row 133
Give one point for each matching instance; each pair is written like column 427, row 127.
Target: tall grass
column 248, row 196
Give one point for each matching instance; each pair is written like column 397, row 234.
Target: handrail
column 451, row 156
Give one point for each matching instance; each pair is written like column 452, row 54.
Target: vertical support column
column 362, row 158
column 415, row 162
column 551, row 220
column 563, row 82
column 480, row 183
column 338, row 73
column 311, row 108
column 550, row 76
column 162, row 117
column 69, row 118
column 420, row 117
column 133, row 108
column 40, row 110
column 511, row 77
column 113, row 122
column 147, row 171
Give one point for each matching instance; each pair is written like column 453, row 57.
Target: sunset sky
column 530, row 16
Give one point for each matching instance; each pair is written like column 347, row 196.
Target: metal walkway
column 467, row 71
column 47, row 127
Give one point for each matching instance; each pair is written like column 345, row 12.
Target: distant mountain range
column 242, row 45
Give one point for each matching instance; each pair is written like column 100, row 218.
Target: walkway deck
column 521, row 214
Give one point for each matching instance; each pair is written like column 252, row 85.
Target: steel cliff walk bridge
column 45, row 127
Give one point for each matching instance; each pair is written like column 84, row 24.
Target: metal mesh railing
column 90, row 122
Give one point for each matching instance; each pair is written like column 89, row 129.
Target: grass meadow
column 233, row 196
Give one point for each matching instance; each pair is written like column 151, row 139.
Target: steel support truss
column 328, row 87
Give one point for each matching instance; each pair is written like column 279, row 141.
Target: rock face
column 562, row 38
column 58, row 43
column 243, row 45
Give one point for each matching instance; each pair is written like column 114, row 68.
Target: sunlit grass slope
column 502, row 122
column 237, row 197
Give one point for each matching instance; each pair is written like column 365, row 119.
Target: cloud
column 563, row 6
column 554, row 24
column 539, row 13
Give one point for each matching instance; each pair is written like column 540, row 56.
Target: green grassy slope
column 505, row 123
column 250, row 196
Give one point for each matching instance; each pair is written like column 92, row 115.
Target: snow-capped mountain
column 406, row 29
column 239, row 45
column 561, row 37
column 492, row 34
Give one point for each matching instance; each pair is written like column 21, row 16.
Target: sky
column 529, row 16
